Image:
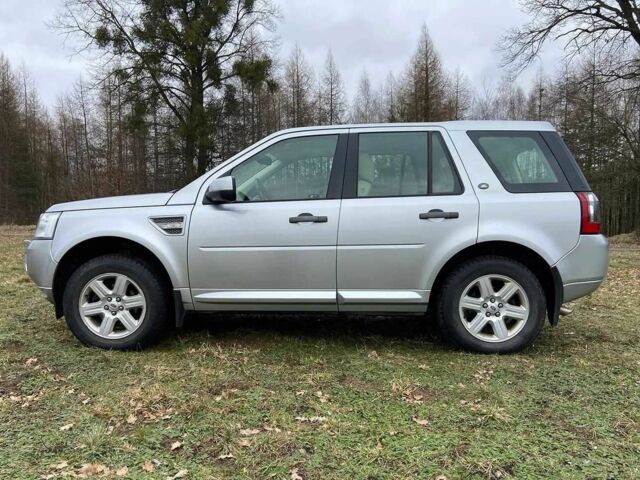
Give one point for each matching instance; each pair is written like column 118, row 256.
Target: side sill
column 265, row 296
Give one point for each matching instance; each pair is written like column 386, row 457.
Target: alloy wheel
column 494, row 308
column 112, row 305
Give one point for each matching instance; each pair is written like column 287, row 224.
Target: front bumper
column 40, row 266
column 584, row 268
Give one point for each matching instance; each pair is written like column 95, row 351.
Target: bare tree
column 612, row 25
column 332, row 102
column 461, row 96
column 297, row 89
column 366, row 104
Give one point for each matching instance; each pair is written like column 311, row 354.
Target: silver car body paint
column 372, row 254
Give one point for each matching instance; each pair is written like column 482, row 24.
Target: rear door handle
column 437, row 213
column 308, row 218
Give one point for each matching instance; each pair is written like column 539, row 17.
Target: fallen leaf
column 311, row 419
column 225, row 456
column 322, row 397
column 295, row 475
column 441, row 477
column 421, row 421
column 249, row 431
column 122, row 471
column 148, row 466
column 131, row 419
column 244, row 442
column 180, row 474
column 176, row 445
column 91, row 469
column 61, row 465
column 66, row 427
column 373, row 354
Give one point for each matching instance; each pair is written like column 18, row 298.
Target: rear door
column 406, row 206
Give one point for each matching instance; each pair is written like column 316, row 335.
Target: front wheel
column 116, row 301
column 491, row 304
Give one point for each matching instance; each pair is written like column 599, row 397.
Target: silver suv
column 490, row 226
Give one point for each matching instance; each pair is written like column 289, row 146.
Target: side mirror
column 221, row 190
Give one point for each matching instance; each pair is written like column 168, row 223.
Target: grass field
column 320, row 398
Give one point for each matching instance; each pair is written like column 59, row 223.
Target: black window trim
column 336, row 176
column 561, row 186
column 566, row 160
column 350, row 186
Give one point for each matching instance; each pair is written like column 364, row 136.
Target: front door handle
column 308, row 218
column 437, row 213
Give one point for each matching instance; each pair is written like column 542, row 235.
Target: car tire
column 117, row 302
column 473, row 315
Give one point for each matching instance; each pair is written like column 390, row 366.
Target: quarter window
column 521, row 160
column 293, row 169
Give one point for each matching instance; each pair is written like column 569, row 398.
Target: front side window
column 521, row 160
column 293, row 169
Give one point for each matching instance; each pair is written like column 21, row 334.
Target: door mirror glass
column 221, row 190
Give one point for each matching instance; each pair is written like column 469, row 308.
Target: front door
column 404, row 205
column 275, row 246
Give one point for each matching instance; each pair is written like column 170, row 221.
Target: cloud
column 377, row 35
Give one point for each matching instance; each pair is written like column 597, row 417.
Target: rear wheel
column 491, row 304
column 116, row 301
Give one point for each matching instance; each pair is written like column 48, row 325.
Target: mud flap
column 555, row 302
column 178, row 308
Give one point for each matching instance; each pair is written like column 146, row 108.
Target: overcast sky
column 376, row 35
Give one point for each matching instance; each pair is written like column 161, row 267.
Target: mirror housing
column 221, row 190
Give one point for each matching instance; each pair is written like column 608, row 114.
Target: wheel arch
column 103, row 245
column 547, row 275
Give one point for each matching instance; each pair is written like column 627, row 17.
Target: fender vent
column 169, row 225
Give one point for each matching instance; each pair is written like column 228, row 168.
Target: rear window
column 522, row 161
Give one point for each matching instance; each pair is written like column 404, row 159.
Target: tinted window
column 521, row 160
column 444, row 179
column 397, row 164
column 293, row 169
column 392, row 164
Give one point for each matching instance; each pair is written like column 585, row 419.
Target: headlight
column 47, row 225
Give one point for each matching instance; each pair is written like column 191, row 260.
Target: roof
column 457, row 125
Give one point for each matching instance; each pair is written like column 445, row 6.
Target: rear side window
column 392, row 164
column 400, row 164
column 444, row 179
column 522, row 161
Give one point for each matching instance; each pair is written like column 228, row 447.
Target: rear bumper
column 40, row 266
column 584, row 268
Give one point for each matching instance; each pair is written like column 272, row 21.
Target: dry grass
column 320, row 397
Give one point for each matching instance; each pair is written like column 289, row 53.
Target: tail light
column 589, row 213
